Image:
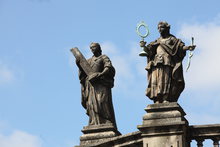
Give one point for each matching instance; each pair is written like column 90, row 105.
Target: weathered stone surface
column 94, row 134
column 164, row 114
column 92, row 138
column 164, row 107
column 99, row 128
column 163, row 141
column 161, row 115
column 164, row 125
column 133, row 139
column 99, row 135
column 205, row 131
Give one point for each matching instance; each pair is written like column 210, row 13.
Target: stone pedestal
column 164, row 125
column 96, row 134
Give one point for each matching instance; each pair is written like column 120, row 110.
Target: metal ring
column 142, row 23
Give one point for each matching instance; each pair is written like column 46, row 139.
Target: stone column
column 164, row 125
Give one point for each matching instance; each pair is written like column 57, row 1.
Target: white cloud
column 204, row 72
column 6, row 75
column 129, row 66
column 19, row 139
column 202, row 79
column 127, row 63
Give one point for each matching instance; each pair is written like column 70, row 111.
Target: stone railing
column 133, row 139
column 200, row 133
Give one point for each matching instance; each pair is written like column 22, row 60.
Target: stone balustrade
column 200, row 133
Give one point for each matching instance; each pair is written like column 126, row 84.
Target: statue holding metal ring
column 139, row 25
column 164, row 65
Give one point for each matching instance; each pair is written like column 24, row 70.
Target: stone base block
column 164, row 125
column 163, row 141
column 95, row 134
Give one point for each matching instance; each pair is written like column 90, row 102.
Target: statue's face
column 162, row 28
column 94, row 48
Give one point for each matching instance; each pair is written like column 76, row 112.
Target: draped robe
column 96, row 95
column 165, row 72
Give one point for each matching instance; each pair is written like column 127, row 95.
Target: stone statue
column 97, row 78
column 164, row 65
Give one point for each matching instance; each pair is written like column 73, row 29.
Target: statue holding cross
column 97, row 78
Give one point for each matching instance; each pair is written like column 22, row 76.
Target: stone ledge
column 129, row 139
column 94, row 134
column 100, row 128
column 99, row 135
column 204, row 131
column 161, row 107
column 160, row 115
column 162, row 124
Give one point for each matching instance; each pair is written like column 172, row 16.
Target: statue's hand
column 142, row 43
column 191, row 47
column 93, row 77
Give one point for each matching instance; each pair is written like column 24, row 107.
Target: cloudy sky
column 39, row 86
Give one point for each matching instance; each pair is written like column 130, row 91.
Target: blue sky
column 39, row 86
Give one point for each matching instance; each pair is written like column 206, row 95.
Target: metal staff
column 190, row 56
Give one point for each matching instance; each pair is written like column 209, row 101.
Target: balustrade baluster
column 189, row 143
column 200, row 142
column 215, row 142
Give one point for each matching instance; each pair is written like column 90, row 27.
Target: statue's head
column 95, row 48
column 163, row 27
